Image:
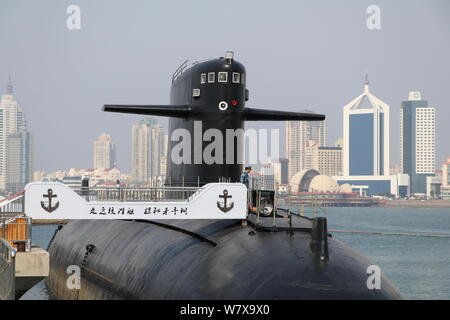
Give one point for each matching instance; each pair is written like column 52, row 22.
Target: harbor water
column 418, row 263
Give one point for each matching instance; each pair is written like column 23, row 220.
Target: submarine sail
column 213, row 94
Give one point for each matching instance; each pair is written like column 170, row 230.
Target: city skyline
column 315, row 64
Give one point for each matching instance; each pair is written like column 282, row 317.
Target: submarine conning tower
column 207, row 99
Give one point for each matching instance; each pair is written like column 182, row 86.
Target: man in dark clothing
column 245, row 178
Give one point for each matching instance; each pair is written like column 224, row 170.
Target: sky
column 298, row 55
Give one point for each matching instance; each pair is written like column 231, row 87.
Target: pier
column 22, row 264
column 322, row 199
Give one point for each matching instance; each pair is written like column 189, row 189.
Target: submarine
column 275, row 256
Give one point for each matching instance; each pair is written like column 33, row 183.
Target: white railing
column 15, row 227
column 13, row 206
column 127, row 194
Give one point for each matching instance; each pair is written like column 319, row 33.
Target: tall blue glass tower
column 366, row 136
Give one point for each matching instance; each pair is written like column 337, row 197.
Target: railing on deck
column 14, row 226
column 13, row 205
column 152, row 194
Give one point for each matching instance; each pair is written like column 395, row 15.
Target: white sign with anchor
column 54, row 200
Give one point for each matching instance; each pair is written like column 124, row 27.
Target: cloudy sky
column 298, row 54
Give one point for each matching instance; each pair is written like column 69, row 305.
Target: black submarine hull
column 213, row 260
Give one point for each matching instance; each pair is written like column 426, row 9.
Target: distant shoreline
column 416, row 204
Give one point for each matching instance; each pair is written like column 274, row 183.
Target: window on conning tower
column 203, row 78
column 243, row 78
column 236, row 77
column 223, row 77
column 211, row 77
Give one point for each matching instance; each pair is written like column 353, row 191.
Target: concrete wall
column 7, row 274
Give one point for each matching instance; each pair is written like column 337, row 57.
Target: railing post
column 29, row 232
column 3, row 228
column 23, row 202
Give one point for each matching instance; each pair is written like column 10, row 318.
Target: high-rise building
column 326, row 160
column 147, row 148
column 366, row 148
column 19, row 161
column 298, row 135
column 104, row 152
column 366, row 136
column 12, row 121
column 417, row 141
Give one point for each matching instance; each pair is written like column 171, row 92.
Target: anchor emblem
column 49, row 195
column 223, row 206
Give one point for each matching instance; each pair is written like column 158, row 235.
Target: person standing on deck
column 245, row 178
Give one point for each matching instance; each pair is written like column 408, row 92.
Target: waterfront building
column 366, row 136
column 298, row 135
column 327, row 160
column 417, row 141
column 310, row 188
column 147, row 147
column 104, row 152
column 366, row 147
column 74, row 176
column 434, row 186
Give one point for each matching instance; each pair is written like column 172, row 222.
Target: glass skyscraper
column 366, row 148
column 366, row 136
column 15, row 144
column 19, row 169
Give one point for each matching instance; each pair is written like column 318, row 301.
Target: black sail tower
column 209, row 95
